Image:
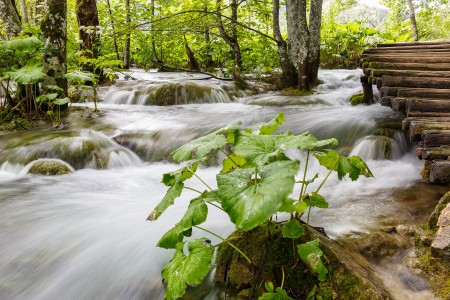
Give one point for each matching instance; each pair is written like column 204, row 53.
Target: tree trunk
column 289, row 76
column 232, row 40
column 315, row 20
column 10, row 18
column 126, row 52
column 156, row 60
column 38, row 11
column 412, row 17
column 54, row 32
column 209, row 60
column 23, row 5
column 87, row 17
column 192, row 62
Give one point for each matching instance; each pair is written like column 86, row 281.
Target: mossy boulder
column 50, row 167
column 295, row 92
column 433, row 220
column 272, row 255
column 357, row 99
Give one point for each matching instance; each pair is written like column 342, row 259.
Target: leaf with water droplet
column 292, row 229
column 272, row 125
column 232, row 162
column 184, row 271
column 311, row 254
column 354, row 166
column 251, row 201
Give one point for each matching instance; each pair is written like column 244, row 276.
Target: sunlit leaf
column 316, row 200
column 32, row 72
column 184, row 271
column 80, row 76
column 250, row 200
column 21, row 44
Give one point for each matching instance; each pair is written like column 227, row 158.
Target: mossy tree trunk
column 412, row 17
column 304, row 39
column 54, row 32
column 87, row 17
column 116, row 48
column 10, row 18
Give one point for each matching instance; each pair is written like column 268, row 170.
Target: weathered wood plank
column 417, row 127
column 416, row 82
column 409, row 73
column 440, row 171
column 422, row 93
column 399, row 104
column 386, row 101
column 410, row 59
column 396, row 46
column 428, row 105
column 405, row 55
column 426, row 114
column 408, row 66
column 435, row 138
column 406, row 123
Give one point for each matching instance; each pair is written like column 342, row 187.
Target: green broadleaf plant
column 255, row 183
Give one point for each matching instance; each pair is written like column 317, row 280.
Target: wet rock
column 441, row 245
column 377, row 244
column 49, row 167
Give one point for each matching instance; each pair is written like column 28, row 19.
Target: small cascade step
column 414, row 78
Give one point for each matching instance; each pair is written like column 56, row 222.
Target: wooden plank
column 410, row 59
column 406, row 123
column 399, row 104
column 405, row 55
column 401, row 50
column 416, row 82
column 422, row 93
column 426, row 114
column 435, row 138
column 428, row 105
column 408, row 66
column 409, row 73
column 386, row 101
column 417, row 127
column 395, row 47
column 440, row 171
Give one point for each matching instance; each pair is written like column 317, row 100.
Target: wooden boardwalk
column 414, row 78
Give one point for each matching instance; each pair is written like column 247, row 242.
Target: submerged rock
column 49, row 167
column 272, row 256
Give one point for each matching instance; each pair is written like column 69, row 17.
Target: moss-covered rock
column 295, row 92
column 357, row 99
column 432, row 221
column 50, row 167
column 271, row 255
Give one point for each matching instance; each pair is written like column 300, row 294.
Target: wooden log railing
column 414, row 78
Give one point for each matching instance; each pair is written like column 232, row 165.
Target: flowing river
column 85, row 235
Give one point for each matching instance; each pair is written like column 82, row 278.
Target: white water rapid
column 85, row 236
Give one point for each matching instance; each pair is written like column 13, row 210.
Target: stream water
column 85, row 235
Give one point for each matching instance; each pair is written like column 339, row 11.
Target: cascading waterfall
column 84, row 236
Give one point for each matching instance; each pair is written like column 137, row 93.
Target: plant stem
column 303, row 189
column 282, row 279
column 323, row 181
column 229, row 157
column 215, row 205
column 189, row 188
column 231, row 245
column 202, row 181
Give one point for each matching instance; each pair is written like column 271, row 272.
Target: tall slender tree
column 412, row 17
column 126, row 51
column 23, row 5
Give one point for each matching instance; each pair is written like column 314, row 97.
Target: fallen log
column 406, row 123
column 435, row 138
column 399, row 50
column 422, row 93
column 426, row 114
column 409, row 73
column 387, row 91
column 440, row 171
column 416, row 82
column 407, row 54
column 417, row 127
column 428, row 105
column 407, row 66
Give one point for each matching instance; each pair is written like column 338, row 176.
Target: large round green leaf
column 250, row 200
column 32, row 72
column 187, row 270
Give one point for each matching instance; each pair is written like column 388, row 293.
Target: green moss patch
column 49, row 167
column 358, row 99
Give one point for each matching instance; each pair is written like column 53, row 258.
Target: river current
column 85, row 236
